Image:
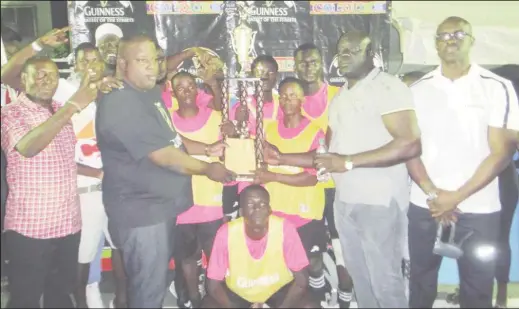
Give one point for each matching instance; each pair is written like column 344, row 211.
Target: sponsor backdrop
column 230, row 27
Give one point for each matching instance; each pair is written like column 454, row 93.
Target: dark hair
column 182, row 74
column 265, row 58
column 33, row 60
column 307, row 47
column 85, row 46
column 253, row 188
column 291, row 80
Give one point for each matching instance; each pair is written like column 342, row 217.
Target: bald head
column 355, row 36
column 457, row 21
column 138, row 63
column 130, row 43
column 454, row 40
column 354, row 53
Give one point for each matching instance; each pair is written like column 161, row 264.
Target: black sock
column 344, row 298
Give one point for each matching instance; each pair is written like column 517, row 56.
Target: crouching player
column 257, row 259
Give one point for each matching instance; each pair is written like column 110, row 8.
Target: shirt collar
column 473, row 72
column 368, row 78
column 24, row 100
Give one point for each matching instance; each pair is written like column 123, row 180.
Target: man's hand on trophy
column 242, row 113
column 263, row 176
column 215, row 149
column 271, row 154
column 217, row 172
column 228, row 129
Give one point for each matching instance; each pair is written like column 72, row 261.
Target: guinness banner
column 236, row 31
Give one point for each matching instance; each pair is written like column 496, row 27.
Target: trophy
column 242, row 40
column 244, row 154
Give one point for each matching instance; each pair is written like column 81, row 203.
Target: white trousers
column 94, row 224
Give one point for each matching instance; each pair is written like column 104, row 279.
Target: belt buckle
column 97, row 187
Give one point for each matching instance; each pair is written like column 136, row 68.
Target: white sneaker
column 93, row 296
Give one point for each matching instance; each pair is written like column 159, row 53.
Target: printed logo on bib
column 262, row 281
column 304, row 208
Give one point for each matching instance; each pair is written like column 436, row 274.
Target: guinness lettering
column 106, row 12
column 263, row 11
column 263, row 281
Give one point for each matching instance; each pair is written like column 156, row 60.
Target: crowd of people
column 131, row 150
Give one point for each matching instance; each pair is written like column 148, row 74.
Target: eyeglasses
column 458, row 36
column 350, row 52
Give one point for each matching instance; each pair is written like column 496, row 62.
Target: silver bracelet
column 78, row 108
column 36, row 46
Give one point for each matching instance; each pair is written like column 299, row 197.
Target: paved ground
column 170, row 301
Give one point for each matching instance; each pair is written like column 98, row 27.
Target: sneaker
column 93, row 296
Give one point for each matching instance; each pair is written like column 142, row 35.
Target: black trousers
column 475, row 270
column 508, row 194
column 39, row 267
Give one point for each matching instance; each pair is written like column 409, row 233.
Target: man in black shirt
column 147, row 172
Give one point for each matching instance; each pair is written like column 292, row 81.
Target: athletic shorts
column 193, row 237
column 230, row 199
column 314, row 238
column 329, row 198
column 273, row 302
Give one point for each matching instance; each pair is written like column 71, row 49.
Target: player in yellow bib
column 293, row 190
column 318, row 96
column 198, row 225
column 257, row 259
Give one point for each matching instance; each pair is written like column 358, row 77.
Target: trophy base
column 240, row 157
column 245, row 178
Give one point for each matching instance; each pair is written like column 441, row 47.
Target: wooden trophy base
column 240, row 158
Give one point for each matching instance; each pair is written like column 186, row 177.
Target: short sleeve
column 14, row 128
column 219, row 261
column 392, row 95
column 138, row 127
column 293, row 249
column 504, row 112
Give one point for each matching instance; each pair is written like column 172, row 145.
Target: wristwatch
column 348, row 164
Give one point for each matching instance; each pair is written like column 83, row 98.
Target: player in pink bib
column 199, row 224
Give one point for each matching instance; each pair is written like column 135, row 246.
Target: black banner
column 270, row 27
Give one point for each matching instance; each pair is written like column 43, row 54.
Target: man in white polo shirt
column 469, row 118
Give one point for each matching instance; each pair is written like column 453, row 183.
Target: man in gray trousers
column 373, row 131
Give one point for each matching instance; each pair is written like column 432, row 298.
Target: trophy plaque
column 244, row 154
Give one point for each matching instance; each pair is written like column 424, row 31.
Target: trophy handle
column 233, row 44
column 251, row 47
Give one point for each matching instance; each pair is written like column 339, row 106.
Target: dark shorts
column 230, row 199
column 314, row 238
column 273, row 302
column 193, row 237
column 329, row 198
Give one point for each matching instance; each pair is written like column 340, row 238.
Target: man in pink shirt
column 198, row 225
column 261, row 250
